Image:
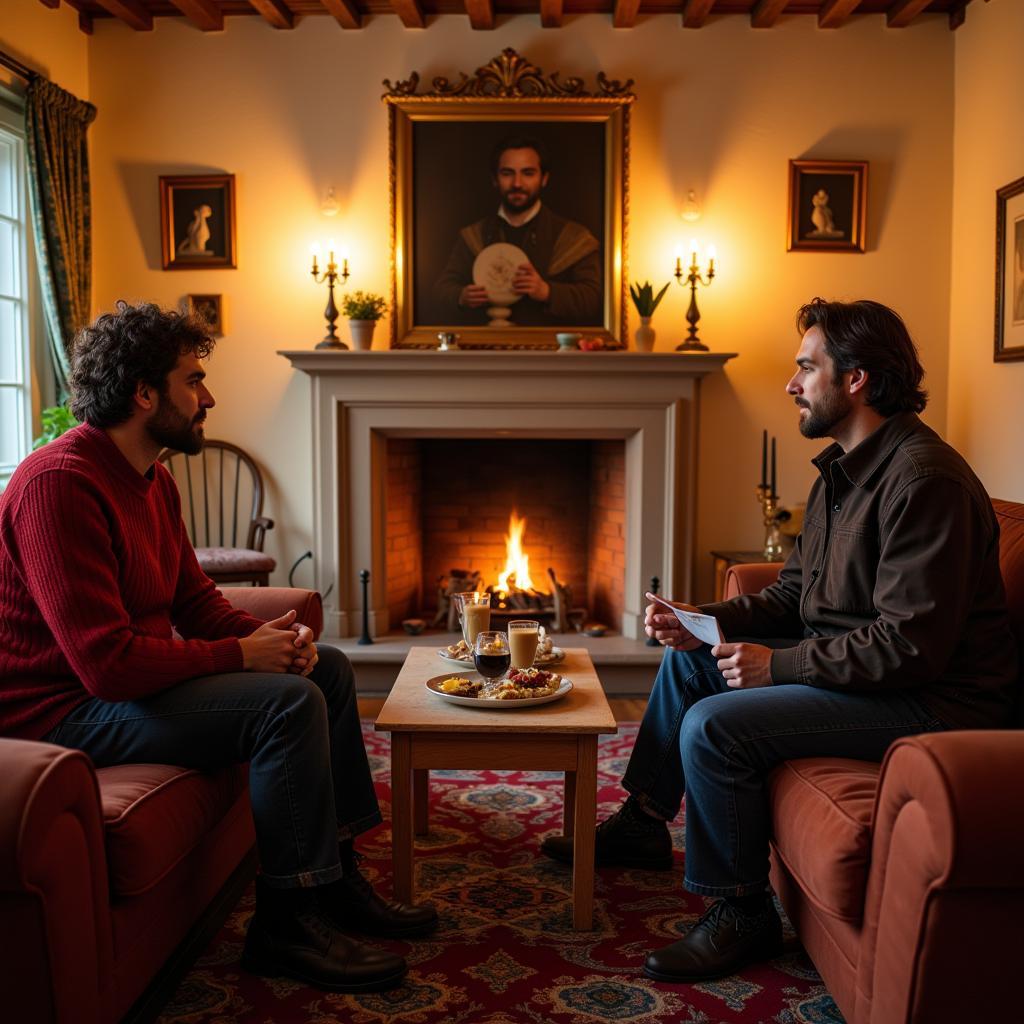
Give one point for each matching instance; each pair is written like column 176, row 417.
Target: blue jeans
column 719, row 745
column 309, row 778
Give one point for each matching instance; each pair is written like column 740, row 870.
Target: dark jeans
column 719, row 745
column 309, row 778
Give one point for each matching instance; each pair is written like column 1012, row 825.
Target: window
column 15, row 397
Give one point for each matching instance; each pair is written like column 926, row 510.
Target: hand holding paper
column 695, row 624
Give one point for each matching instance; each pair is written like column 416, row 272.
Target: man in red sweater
column 96, row 570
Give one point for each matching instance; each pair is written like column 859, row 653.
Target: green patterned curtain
column 58, row 163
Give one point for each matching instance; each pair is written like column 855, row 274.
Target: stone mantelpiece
column 359, row 399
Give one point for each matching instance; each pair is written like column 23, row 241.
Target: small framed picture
column 1010, row 272
column 208, row 308
column 828, row 203
column 197, row 221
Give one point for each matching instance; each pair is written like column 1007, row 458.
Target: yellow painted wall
column 986, row 411
column 720, row 110
column 48, row 41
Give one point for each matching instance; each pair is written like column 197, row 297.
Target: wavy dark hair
column 520, row 142
column 869, row 336
column 110, row 357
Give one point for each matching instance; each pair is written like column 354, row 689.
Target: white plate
column 495, row 705
column 557, row 655
column 494, row 267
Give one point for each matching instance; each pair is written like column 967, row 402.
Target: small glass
column 491, row 654
column 474, row 608
column 523, row 637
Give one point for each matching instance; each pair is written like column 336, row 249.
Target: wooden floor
column 624, row 709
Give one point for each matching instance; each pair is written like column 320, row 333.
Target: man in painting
column 888, row 619
column 113, row 641
column 561, row 282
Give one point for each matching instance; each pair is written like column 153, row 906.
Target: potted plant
column 646, row 303
column 363, row 310
column 55, row 420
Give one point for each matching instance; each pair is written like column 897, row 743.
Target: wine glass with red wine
column 491, row 654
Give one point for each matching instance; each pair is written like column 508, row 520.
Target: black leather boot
column 630, row 838
column 353, row 906
column 722, row 942
column 290, row 935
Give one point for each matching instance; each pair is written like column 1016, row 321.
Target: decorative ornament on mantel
column 363, row 310
column 330, row 275
column 646, row 303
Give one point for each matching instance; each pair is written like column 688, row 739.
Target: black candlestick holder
column 364, row 578
column 330, row 275
column 691, row 276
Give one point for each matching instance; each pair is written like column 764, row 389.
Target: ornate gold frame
column 508, row 88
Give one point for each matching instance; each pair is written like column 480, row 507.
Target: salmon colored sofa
column 104, row 873
column 905, row 880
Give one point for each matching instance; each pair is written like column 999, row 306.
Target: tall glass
column 523, row 637
column 474, row 608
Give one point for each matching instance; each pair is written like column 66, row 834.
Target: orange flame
column 517, row 563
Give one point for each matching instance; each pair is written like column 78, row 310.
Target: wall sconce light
column 330, row 206
column 691, row 208
column 330, row 275
column 692, row 277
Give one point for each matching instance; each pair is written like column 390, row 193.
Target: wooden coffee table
column 428, row 732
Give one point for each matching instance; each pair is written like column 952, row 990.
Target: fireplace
column 362, row 403
column 456, row 503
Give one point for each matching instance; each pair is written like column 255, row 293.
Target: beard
column 519, row 199
column 170, row 428
column 833, row 407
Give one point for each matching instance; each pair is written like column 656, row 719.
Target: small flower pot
column 362, row 334
column 644, row 337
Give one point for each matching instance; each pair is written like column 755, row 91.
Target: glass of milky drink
column 523, row 635
column 474, row 607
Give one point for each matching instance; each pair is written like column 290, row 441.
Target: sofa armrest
column 269, row 602
column 945, row 889
column 54, row 899
column 750, row 578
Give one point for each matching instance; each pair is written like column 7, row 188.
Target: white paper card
column 703, row 627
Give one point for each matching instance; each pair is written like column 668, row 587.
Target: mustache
column 802, row 404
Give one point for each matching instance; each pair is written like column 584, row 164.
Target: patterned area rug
column 506, row 952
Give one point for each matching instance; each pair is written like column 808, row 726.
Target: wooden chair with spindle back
column 222, row 498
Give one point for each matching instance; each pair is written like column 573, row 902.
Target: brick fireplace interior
column 448, row 503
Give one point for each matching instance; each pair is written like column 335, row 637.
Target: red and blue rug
column 506, row 952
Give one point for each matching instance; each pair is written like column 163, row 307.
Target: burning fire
column 517, row 563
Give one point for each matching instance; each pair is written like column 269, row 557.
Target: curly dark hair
column 871, row 337
column 136, row 344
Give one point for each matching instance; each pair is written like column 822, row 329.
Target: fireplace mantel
column 359, row 399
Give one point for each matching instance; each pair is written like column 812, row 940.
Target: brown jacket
column 894, row 582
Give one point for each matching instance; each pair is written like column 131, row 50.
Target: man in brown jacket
column 888, row 619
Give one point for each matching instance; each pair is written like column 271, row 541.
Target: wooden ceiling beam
column 481, row 14
column 551, row 13
column 204, row 14
column 84, row 17
column 52, row 4
column 695, row 12
column 834, row 12
column 410, row 12
column 625, row 13
column 766, row 13
column 345, row 13
column 275, row 13
column 901, row 14
column 131, row 12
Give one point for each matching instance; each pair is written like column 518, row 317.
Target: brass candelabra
column 330, row 275
column 692, row 277
column 772, row 534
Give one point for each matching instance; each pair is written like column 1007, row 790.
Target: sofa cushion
column 214, row 560
column 821, row 818
column 154, row 814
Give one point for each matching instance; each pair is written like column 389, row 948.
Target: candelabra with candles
column 330, row 275
column 769, row 501
column 692, row 277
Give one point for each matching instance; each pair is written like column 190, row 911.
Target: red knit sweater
column 95, row 570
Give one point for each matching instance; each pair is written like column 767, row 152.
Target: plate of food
column 521, row 688
column 460, row 656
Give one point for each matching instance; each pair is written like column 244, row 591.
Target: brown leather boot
column 290, row 935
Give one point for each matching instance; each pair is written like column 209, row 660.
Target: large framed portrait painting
column 1010, row 272
column 508, row 208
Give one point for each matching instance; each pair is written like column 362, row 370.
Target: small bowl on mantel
column 413, row 626
column 567, row 340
